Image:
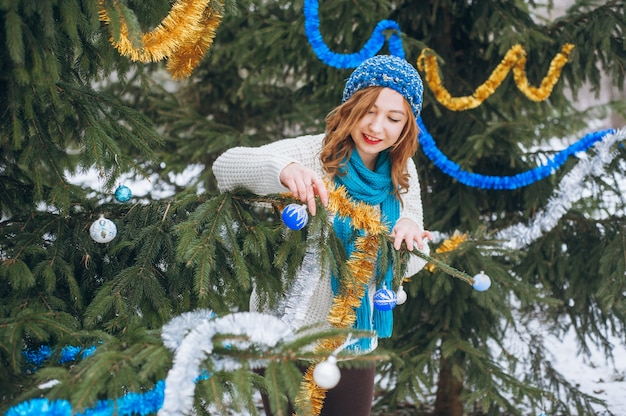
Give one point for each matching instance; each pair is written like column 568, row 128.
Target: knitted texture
column 258, row 168
column 374, row 188
column 390, row 72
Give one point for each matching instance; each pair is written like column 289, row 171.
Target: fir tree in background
column 74, row 101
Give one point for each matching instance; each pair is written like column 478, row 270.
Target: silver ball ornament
column 102, row 230
column 326, row 374
column 401, row 296
column 481, row 282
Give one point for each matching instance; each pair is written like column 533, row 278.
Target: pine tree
column 71, row 102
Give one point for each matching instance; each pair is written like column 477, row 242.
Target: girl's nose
column 376, row 123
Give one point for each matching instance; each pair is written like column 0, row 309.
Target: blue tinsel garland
column 131, row 403
column 427, row 143
column 68, row 353
column 145, row 403
column 338, row 60
column 373, row 46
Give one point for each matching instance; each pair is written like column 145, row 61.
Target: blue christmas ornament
column 481, row 282
column 385, row 299
column 123, row 193
column 295, row 216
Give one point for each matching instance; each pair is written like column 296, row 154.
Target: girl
column 367, row 147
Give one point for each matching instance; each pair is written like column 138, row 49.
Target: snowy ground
column 594, row 375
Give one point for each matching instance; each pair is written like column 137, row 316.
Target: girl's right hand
column 304, row 183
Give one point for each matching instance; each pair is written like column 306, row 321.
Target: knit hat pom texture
column 390, row 72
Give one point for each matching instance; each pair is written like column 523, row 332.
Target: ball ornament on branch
column 481, row 282
column 102, row 230
column 326, row 374
column 295, row 216
column 385, row 299
column 123, row 193
column 401, row 296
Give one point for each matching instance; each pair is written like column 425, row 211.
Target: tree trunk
column 449, row 390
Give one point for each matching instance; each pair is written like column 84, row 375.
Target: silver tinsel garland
column 191, row 337
column 521, row 235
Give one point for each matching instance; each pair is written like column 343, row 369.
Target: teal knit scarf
column 374, row 188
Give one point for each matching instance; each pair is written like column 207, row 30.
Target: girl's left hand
column 412, row 234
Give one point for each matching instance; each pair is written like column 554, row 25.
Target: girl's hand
column 304, row 183
column 408, row 231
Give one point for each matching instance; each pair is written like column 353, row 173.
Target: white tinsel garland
column 177, row 329
column 520, row 235
column 193, row 345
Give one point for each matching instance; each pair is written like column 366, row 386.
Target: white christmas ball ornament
column 481, row 282
column 326, row 374
column 401, row 296
column 103, row 230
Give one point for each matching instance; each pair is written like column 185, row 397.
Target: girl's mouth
column 370, row 140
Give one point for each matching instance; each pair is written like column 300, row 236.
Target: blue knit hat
column 391, row 72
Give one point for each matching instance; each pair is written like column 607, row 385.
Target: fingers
column 400, row 236
column 410, row 242
column 310, row 198
column 397, row 243
column 410, row 239
column 305, row 192
column 319, row 188
column 419, row 240
column 304, row 184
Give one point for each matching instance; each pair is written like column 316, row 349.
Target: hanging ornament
column 103, row 230
column 385, row 299
column 295, row 216
column 123, row 193
column 481, row 282
column 326, row 374
column 401, row 296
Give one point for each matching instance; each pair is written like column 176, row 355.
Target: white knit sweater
column 258, row 169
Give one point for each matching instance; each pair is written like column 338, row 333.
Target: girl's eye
column 393, row 120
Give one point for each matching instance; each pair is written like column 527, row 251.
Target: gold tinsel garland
column 183, row 36
column 448, row 245
column 361, row 263
column 514, row 59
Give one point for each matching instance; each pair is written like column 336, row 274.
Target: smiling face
column 381, row 127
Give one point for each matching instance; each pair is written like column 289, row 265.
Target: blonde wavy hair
column 338, row 145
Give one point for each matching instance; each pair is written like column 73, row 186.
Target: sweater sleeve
column 412, row 209
column 412, row 199
column 258, row 168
